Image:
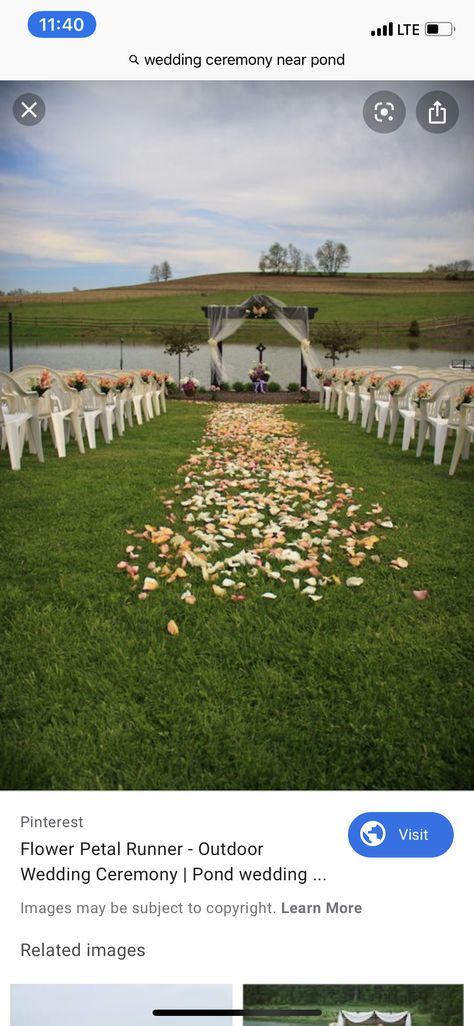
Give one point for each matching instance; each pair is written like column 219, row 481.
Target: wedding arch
column 225, row 320
column 374, row 1018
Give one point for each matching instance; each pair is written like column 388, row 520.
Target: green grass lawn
column 366, row 689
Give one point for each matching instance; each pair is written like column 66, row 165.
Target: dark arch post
column 303, row 373
column 214, row 378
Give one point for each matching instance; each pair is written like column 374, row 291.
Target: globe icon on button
column 373, row 833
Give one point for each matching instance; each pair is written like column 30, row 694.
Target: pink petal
column 421, row 595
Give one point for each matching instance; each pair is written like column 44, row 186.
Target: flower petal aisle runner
column 257, row 510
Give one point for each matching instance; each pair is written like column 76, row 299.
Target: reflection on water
column 283, row 361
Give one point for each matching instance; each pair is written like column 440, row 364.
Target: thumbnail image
column 115, row 1004
column 336, row 1005
column 236, row 417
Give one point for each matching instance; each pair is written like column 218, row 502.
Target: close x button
column 401, row 835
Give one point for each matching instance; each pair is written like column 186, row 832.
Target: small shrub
column 202, row 390
column 225, row 387
column 238, row 386
column 273, row 386
column 414, row 329
column 171, row 386
column 248, row 387
column 293, row 386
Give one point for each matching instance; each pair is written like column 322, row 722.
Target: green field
column 368, row 689
column 103, row 320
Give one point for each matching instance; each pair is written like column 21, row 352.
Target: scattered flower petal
column 149, row 584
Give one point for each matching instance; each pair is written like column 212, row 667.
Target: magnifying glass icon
column 133, row 58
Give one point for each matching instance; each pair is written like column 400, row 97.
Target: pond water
column 283, row 361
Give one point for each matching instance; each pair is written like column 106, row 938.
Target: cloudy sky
column 119, row 176
column 113, row 1005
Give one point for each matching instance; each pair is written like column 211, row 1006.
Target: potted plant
column 189, row 385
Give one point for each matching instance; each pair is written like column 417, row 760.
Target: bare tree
column 308, row 263
column 294, row 259
column 263, row 263
column 277, row 258
column 165, row 271
column 331, row 256
column 155, row 273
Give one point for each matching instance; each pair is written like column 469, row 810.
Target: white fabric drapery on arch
column 225, row 320
column 345, row 1018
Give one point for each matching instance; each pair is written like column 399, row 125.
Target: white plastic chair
column 442, row 419
column 465, row 436
column 16, row 422
column 48, row 408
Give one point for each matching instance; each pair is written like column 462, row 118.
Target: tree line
column 330, row 258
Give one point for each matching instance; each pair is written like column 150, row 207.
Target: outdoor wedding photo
column 237, row 424
column 366, row 1005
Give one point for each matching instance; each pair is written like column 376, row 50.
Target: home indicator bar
column 248, row 1013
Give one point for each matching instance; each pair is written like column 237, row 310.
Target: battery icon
column 439, row 28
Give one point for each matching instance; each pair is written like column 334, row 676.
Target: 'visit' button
column 406, row 835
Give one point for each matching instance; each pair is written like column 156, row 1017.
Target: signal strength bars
column 384, row 30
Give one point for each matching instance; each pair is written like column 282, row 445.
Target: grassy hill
column 383, row 304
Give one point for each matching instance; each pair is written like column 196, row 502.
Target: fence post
column 10, row 340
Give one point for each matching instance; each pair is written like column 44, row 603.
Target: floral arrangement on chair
column 189, row 385
column 423, row 391
column 78, row 380
column 123, row 381
column 317, row 372
column 395, row 385
column 356, row 375
column 467, row 396
column 41, row 384
column 147, row 376
column 374, row 380
column 259, row 375
column 106, row 385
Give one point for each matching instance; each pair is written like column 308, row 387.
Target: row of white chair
column 25, row 413
column 433, row 418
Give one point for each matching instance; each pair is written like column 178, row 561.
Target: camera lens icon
column 384, row 111
column 372, row 833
